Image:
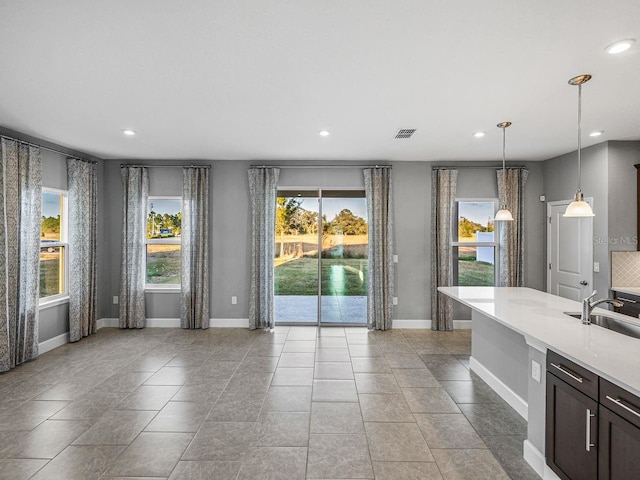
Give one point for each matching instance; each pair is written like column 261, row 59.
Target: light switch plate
column 234, row 300
column 115, row 299
column 535, row 371
column 395, row 300
column 395, row 259
column 596, row 267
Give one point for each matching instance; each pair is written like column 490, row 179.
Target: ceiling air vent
column 405, row 132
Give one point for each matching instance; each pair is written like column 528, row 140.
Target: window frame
column 63, row 297
column 495, row 244
column 154, row 287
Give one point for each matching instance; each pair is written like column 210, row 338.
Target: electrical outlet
column 234, row 300
column 115, row 299
column 395, row 259
column 395, row 300
column 535, row 371
column 596, row 267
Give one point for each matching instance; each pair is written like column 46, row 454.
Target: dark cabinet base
column 619, row 447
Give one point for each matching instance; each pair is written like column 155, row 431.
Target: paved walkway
column 335, row 309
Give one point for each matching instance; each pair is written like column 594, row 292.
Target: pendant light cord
column 579, row 136
column 504, row 171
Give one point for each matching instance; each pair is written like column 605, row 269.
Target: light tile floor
column 297, row 403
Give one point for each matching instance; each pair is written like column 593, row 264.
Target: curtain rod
column 163, row 166
column 321, row 166
column 68, row 155
column 479, row 166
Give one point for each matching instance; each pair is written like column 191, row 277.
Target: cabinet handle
column 619, row 403
column 566, row 372
column 588, row 439
column 626, row 300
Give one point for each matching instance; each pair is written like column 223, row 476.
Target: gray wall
column 608, row 175
column 230, row 229
column 482, row 183
column 54, row 321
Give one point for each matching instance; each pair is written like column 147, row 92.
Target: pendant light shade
column 579, row 208
column 503, row 215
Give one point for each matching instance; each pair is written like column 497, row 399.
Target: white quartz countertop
column 629, row 290
column 539, row 317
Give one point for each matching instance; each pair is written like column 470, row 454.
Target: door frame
column 558, row 203
column 320, row 190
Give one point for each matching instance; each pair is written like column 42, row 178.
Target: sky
column 332, row 206
column 478, row 212
column 171, row 206
column 50, row 204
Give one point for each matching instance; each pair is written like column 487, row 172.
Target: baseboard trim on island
column 537, row 461
column 512, row 398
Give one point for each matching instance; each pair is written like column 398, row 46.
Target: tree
column 347, row 223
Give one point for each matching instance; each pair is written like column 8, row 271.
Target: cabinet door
column 619, row 447
column 571, row 431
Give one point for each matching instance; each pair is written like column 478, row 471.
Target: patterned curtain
column 378, row 190
column 82, row 179
column 20, row 214
column 511, row 188
column 194, row 299
column 263, row 187
column 134, row 207
column 443, row 196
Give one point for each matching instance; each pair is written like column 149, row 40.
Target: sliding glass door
column 321, row 257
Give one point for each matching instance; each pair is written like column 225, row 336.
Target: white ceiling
column 257, row 79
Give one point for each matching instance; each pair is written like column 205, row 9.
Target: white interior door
column 569, row 253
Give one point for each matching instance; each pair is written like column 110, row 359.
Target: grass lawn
column 473, row 274
column 163, row 264
column 339, row 277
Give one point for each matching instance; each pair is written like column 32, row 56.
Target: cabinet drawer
column 619, row 401
column 631, row 304
column 573, row 374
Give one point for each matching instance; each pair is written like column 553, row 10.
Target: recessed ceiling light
column 324, row 133
column 478, row 134
column 596, row 134
column 128, row 132
column 621, row 46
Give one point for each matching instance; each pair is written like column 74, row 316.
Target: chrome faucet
column 588, row 306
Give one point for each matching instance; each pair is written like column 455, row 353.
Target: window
column 163, row 251
column 53, row 245
column 474, row 245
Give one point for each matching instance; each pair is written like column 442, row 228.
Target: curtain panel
column 511, row 188
column 194, row 297
column 263, row 187
column 380, row 277
column 443, row 196
column 20, row 214
column 82, row 182
column 135, row 181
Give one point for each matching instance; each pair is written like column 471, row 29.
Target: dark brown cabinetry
column 619, row 449
column 630, row 304
column 592, row 426
column 572, row 427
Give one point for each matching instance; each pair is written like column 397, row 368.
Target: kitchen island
column 512, row 329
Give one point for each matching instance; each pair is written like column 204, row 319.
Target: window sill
column 162, row 290
column 54, row 302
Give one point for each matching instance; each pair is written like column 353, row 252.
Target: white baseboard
column 537, row 461
column 107, row 322
column 426, row 324
column 163, row 322
column 422, row 324
column 512, row 398
column 52, row 343
column 229, row 322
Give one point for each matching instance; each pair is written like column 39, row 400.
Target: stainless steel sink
column 610, row 323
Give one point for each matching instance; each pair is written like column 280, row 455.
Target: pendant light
column 503, row 215
column 579, row 208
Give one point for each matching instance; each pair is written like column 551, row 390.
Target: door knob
column 583, row 282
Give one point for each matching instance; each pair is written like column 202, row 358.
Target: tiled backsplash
column 625, row 269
